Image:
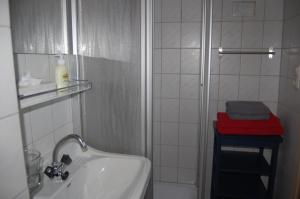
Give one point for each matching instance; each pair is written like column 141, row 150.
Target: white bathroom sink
column 99, row 175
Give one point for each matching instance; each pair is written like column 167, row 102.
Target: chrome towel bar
column 270, row 52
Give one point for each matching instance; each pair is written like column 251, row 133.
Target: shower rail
column 270, row 52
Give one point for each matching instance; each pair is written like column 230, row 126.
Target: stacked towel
column 247, row 110
column 248, row 118
column 226, row 125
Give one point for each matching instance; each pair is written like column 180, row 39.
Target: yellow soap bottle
column 61, row 73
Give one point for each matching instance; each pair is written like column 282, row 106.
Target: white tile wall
column 169, row 110
column 249, row 88
column 244, row 77
column 41, row 121
column 12, row 159
column 171, row 35
column 170, row 86
column 37, row 65
column 176, row 86
column 168, row 174
column 45, row 145
column 189, row 111
column 188, row 135
column 189, row 88
column 252, row 35
column 7, row 86
column 227, row 11
column 156, row 110
column 190, row 61
column 272, row 34
column 157, row 10
column 274, row 9
column 230, row 64
column 4, row 13
column 229, row 86
column 215, row 62
column 45, row 124
column 269, row 88
column 170, row 61
column 156, row 86
column 214, row 87
column 217, row 10
column 188, row 157
column 156, row 155
column 169, row 155
column 41, row 66
column 157, row 61
column 192, row 10
column 156, row 173
column 171, row 10
column 177, row 62
column 62, row 113
column 250, row 64
column 190, row 35
column 231, row 35
column 259, row 11
column 216, row 34
column 156, row 133
column 157, row 35
column 169, row 134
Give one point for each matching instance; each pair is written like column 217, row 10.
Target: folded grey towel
column 247, row 110
column 248, row 117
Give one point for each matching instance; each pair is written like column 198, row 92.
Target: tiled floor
column 174, row 191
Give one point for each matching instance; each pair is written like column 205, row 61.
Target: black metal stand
column 238, row 174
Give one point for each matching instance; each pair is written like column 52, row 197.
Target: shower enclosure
column 111, row 48
column 115, row 48
column 181, row 43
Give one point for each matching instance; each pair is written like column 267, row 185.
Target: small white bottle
column 61, row 73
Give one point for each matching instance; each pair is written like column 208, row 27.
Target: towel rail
column 270, row 52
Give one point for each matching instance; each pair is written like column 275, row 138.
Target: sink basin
column 99, row 175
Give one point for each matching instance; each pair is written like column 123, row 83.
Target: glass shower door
column 177, row 52
column 110, row 55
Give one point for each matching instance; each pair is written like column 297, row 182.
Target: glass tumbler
column 33, row 161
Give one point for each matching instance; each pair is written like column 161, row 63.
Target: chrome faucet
column 75, row 137
column 57, row 168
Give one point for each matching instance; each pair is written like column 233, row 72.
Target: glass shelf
column 38, row 98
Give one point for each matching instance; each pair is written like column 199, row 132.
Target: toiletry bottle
column 61, row 73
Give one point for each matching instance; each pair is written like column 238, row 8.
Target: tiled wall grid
column 177, row 33
column 44, row 125
column 177, row 49
column 13, row 183
column 244, row 77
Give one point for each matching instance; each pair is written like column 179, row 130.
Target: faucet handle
column 65, row 175
column 49, row 171
column 66, row 159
